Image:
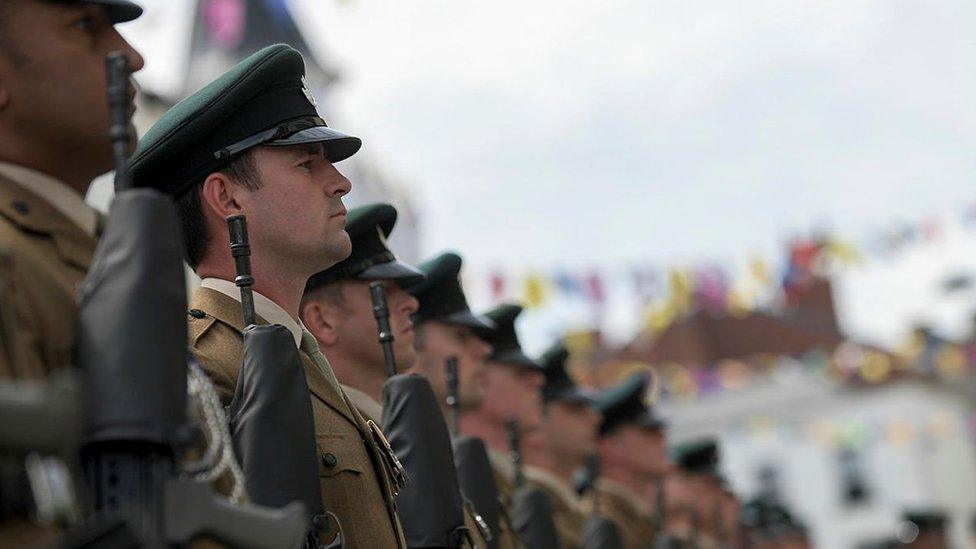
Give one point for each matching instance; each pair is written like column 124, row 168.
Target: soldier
column 56, row 87
column 513, row 384
column 252, row 143
column 565, row 440
column 337, row 310
column 633, row 456
column 53, row 142
column 445, row 327
column 698, row 461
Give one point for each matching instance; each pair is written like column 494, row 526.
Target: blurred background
column 771, row 204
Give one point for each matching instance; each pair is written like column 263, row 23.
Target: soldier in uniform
column 698, row 463
column 338, row 311
column 633, row 456
column 446, row 327
column 552, row 454
column 252, row 143
column 513, row 384
column 53, row 142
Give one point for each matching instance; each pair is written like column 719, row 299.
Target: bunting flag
column 661, row 296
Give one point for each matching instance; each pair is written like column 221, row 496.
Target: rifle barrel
column 453, row 400
column 240, row 248
column 377, row 292
column 515, row 450
column 118, row 73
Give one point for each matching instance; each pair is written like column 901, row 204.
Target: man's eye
column 307, row 164
column 86, row 23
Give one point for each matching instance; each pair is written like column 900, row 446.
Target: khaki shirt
column 374, row 410
column 355, row 484
column 566, row 511
column 44, row 256
column 621, row 505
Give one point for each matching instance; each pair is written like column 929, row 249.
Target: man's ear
column 320, row 320
column 219, row 195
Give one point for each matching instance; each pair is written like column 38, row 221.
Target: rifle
column 515, row 451
column 381, row 312
column 599, row 532
column 279, row 465
column 453, row 398
column 430, row 504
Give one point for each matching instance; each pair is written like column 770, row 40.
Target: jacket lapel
column 228, row 311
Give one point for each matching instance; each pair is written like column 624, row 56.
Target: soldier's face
column 298, row 214
column 53, row 79
column 641, row 450
column 514, row 392
column 441, row 341
column 357, row 331
column 571, row 429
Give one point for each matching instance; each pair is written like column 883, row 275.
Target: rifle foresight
column 381, row 312
column 453, row 400
column 120, row 133
column 240, row 249
column 515, row 449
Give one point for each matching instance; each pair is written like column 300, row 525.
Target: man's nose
column 340, row 186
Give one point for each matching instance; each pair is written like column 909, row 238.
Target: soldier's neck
column 349, row 371
column 624, row 478
column 72, row 175
column 280, row 286
column 543, row 458
column 493, row 432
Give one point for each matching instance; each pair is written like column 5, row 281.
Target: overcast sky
column 583, row 132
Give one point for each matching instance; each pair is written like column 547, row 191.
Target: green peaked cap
column 624, row 403
column 263, row 100
column 368, row 227
column 503, row 339
column 441, row 296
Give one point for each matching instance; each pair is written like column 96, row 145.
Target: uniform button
column 329, row 459
column 21, row 206
column 197, row 313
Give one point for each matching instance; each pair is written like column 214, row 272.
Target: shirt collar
column 264, row 307
column 55, row 192
column 367, row 405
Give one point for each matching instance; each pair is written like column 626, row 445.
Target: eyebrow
column 315, row 149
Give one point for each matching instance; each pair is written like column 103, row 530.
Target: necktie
column 311, row 347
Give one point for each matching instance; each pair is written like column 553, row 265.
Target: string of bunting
column 663, row 295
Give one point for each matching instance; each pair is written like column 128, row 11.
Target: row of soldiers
column 314, row 390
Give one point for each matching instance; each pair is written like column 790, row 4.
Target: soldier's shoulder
column 217, row 347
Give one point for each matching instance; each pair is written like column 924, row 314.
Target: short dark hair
column 242, row 170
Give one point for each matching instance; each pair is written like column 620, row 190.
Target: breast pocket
column 341, row 474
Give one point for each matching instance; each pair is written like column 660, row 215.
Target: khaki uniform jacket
column 43, row 259
column 622, row 506
column 566, row 510
column 355, row 483
column 505, row 481
column 370, row 409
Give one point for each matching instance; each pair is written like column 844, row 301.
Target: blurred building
column 846, row 435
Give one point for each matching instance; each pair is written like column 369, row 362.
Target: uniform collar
column 59, row 195
column 264, row 307
column 502, row 463
column 552, row 482
column 367, row 405
column 625, row 493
